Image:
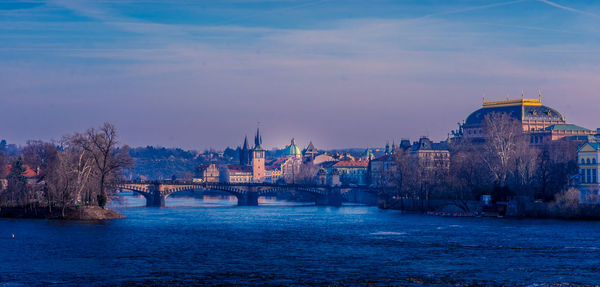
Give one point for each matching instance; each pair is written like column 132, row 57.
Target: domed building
column 292, row 150
column 542, row 122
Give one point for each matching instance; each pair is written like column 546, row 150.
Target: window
column 582, row 175
column 589, row 176
column 594, row 175
column 582, row 161
column 588, row 161
column 594, row 161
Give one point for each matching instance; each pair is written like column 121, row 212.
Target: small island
column 71, row 179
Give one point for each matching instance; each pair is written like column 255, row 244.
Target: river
column 210, row 241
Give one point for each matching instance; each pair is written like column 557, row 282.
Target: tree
column 3, row 163
column 39, row 155
column 307, row 174
column 16, row 193
column 68, row 178
column 468, row 176
column 3, row 146
column 108, row 159
column 502, row 136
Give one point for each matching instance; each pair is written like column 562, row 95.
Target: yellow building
column 237, row 174
column 542, row 123
column 588, row 157
column 207, row 173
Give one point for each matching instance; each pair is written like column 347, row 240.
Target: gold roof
column 507, row 103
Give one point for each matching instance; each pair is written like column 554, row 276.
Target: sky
column 202, row 74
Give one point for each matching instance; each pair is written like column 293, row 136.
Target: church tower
column 245, row 153
column 258, row 159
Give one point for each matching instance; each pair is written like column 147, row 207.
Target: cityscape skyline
column 343, row 75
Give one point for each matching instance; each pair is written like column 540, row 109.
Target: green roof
column 292, row 149
column 565, row 127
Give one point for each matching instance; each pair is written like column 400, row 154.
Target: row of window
column 536, row 139
column 474, row 132
column 589, row 175
column 588, row 161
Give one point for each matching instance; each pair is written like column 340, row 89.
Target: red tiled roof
column 239, row 168
column 272, row 167
column 29, row 172
column 279, row 161
column 351, row 163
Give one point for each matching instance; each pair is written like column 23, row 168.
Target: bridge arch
column 247, row 194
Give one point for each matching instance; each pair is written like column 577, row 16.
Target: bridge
column 247, row 194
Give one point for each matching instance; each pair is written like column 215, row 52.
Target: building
column 367, row 155
column 273, row 174
column 309, row 153
column 431, row 155
column 287, row 168
column 541, row 122
column 236, row 174
column 29, row 173
column 207, row 173
column 292, row 150
column 252, row 164
column 258, row 159
column 245, row 154
column 381, row 170
column 588, row 158
column 351, row 171
column 558, row 131
column 322, row 158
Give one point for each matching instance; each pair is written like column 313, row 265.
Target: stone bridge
column 247, row 194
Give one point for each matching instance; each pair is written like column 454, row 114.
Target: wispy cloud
column 342, row 76
column 566, row 8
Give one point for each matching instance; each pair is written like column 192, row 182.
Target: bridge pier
column 332, row 198
column 249, row 198
column 155, row 199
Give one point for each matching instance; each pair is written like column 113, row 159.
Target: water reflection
column 198, row 199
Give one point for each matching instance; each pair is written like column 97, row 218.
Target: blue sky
column 201, row 74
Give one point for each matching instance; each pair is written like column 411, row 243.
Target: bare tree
column 502, row 137
column 108, row 159
column 3, row 163
column 39, row 155
column 307, row 173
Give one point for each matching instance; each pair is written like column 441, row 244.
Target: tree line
column 78, row 170
column 502, row 164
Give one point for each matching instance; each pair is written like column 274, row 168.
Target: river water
column 210, row 241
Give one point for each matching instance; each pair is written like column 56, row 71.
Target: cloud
column 553, row 4
column 348, row 82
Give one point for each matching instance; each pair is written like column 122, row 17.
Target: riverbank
column 516, row 208
column 71, row 213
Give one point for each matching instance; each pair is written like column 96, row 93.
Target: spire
column 387, row 147
column 245, row 146
column 257, row 140
column 539, row 95
column 484, row 97
column 523, row 94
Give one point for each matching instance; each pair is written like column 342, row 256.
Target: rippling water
column 212, row 242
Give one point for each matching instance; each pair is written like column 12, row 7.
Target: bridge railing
column 263, row 184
